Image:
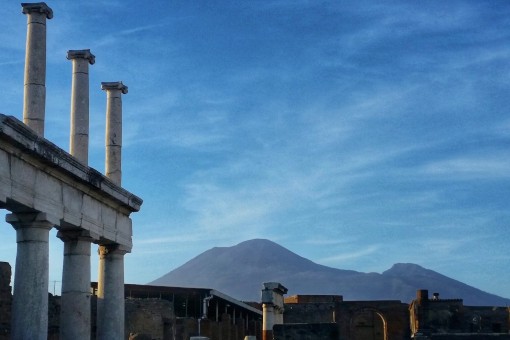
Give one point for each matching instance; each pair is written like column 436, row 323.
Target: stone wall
column 5, row 300
column 306, row 331
column 149, row 318
column 309, row 312
column 155, row 319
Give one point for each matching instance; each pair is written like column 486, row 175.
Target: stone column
column 35, row 65
column 267, row 321
column 30, row 300
column 272, row 307
column 75, row 300
column 114, row 91
column 79, row 141
column 110, row 293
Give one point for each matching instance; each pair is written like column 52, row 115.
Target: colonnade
column 85, row 207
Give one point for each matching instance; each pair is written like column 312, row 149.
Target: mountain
column 240, row 270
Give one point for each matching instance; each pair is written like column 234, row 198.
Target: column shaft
column 75, row 301
column 30, row 295
column 267, row 321
column 35, row 66
column 113, row 140
column 79, row 140
column 110, row 294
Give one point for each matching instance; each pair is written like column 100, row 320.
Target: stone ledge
column 28, row 141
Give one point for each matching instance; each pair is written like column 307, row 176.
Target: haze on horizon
column 357, row 135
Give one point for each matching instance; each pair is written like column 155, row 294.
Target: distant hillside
column 239, row 271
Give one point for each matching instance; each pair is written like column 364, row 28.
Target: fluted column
column 30, row 296
column 79, row 141
column 114, row 91
column 35, row 65
column 75, row 300
column 110, row 293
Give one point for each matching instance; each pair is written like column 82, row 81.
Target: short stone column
column 34, row 102
column 79, row 141
column 272, row 307
column 30, row 296
column 110, row 293
column 114, row 91
column 75, row 300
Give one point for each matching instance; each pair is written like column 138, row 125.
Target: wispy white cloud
column 464, row 168
column 338, row 259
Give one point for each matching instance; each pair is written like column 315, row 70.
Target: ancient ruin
column 45, row 187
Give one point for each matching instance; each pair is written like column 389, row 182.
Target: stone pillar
column 110, row 293
column 272, row 307
column 267, row 321
column 79, row 141
column 34, row 101
column 75, row 300
column 114, row 91
column 30, row 300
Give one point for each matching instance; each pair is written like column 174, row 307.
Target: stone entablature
column 36, row 175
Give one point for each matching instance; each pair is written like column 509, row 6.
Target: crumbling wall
column 5, row 300
column 306, row 331
column 149, row 318
column 309, row 313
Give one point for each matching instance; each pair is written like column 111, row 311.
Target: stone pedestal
column 35, row 65
column 110, row 293
column 30, row 301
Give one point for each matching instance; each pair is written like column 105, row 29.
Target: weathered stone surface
column 149, row 318
column 36, row 174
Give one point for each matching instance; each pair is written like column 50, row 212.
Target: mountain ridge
column 240, row 270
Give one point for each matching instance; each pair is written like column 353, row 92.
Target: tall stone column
column 79, row 141
column 110, row 293
column 75, row 300
column 114, row 91
column 30, row 298
column 110, row 287
column 35, row 65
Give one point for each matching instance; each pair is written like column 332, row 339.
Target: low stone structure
column 329, row 317
column 436, row 318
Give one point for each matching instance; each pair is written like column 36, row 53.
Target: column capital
column 81, row 54
column 70, row 235
column 37, row 7
column 115, row 85
column 114, row 249
column 31, row 227
column 31, row 218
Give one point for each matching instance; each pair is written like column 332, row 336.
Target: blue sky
column 356, row 134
